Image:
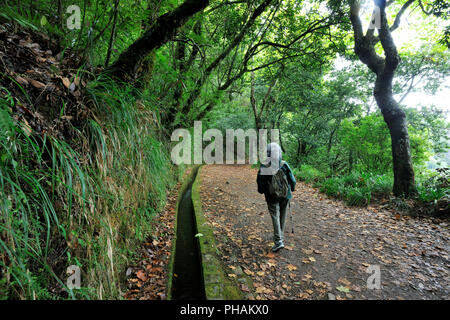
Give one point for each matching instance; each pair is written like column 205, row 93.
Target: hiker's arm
column 291, row 177
column 260, row 181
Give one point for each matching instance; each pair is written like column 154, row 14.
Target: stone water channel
column 187, row 277
column 196, row 272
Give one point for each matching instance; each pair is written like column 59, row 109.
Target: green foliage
column 62, row 206
column 430, row 124
column 308, row 174
column 369, row 142
column 232, row 115
column 11, row 14
column 100, row 204
column 356, row 189
column 30, row 220
column 435, row 186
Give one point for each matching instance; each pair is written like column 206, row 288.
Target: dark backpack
column 279, row 186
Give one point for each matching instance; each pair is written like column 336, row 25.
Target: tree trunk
column 182, row 64
column 60, row 14
column 350, row 162
column 330, row 139
column 162, row 31
column 253, row 103
column 395, row 119
column 113, row 33
column 297, row 157
column 278, row 126
column 385, row 68
column 214, row 64
column 148, row 62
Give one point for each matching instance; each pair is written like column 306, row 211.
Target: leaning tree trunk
column 159, row 33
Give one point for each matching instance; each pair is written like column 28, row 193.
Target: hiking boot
column 277, row 246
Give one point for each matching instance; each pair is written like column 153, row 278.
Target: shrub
column 380, row 184
column 356, row 189
column 308, row 174
column 434, row 187
column 332, row 187
column 355, row 196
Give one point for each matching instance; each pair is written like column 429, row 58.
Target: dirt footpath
column 331, row 249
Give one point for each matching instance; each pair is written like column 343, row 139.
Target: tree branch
column 398, row 17
column 364, row 48
column 200, row 82
column 226, row 3
column 159, row 33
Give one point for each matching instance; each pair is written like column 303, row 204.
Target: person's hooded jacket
column 275, row 153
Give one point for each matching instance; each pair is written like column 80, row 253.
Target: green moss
column 217, row 285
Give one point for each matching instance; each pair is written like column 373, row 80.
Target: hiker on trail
column 277, row 188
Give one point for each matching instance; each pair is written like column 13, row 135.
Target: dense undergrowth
column 85, row 201
column 84, row 166
column 62, row 208
column 362, row 188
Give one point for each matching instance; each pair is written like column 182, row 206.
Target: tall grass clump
column 133, row 172
column 91, row 207
column 41, row 181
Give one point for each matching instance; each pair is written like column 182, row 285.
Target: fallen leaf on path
column 263, row 290
column 141, row 275
column 305, row 260
column 356, row 288
column 344, row 281
column 37, row 84
column 272, row 263
column 291, row 267
column 303, row 295
column 21, row 81
column 306, row 277
column 343, row 289
column 248, row 272
column 245, row 288
column 66, row 82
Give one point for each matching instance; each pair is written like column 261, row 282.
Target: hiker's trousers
column 277, row 212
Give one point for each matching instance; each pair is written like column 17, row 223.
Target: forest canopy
column 91, row 91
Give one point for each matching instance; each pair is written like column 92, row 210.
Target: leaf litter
column 332, row 246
